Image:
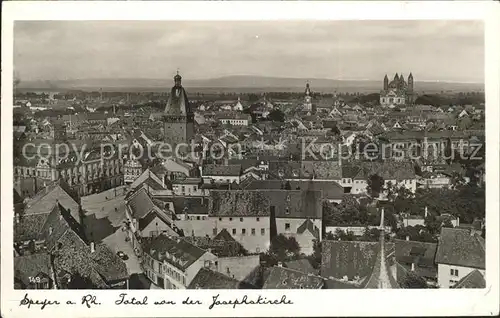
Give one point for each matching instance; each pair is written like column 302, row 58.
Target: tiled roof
column 148, row 218
column 221, row 170
column 29, row 226
column 108, row 264
column 176, row 251
column 421, row 254
column 462, row 247
column 472, row 280
column 208, row 279
column 323, row 170
column 389, row 170
column 284, row 278
column 28, row 266
column 140, row 204
column 308, row 225
column 351, row 259
column 286, row 203
column 44, row 201
column 301, row 265
column 330, row 190
column 218, row 247
column 178, row 103
column 332, row 283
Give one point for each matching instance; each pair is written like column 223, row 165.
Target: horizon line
column 305, row 79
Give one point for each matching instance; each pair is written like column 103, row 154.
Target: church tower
column 381, row 276
column 178, row 117
column 410, row 89
column 308, row 99
column 386, row 83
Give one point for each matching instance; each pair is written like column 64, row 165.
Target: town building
column 178, row 116
column 397, row 92
column 171, row 262
column 459, row 253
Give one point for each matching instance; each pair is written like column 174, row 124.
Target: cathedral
column 178, row 117
column 398, row 92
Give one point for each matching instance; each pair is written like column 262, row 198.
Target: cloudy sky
column 432, row 50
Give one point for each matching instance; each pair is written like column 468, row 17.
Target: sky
column 432, row 50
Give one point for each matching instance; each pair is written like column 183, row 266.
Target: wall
column 153, row 227
column 305, row 239
column 221, row 179
column 359, row 186
column 446, row 280
column 239, row 267
column 197, row 227
column 253, row 243
column 196, row 266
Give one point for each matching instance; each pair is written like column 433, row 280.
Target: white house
column 460, row 252
column 172, row 263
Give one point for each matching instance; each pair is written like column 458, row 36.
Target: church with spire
column 381, row 276
column 397, row 92
column 178, row 117
column 308, row 105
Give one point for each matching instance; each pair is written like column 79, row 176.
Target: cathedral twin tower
column 397, row 92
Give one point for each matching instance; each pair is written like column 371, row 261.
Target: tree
column 315, row 258
column 276, row 115
column 284, row 248
column 375, row 185
column 411, row 280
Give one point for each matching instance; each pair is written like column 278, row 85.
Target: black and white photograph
column 248, row 155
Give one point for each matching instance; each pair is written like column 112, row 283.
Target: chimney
column 426, row 212
column 407, row 237
column 92, row 247
column 412, row 267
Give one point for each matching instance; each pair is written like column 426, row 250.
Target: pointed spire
column 381, row 277
column 382, row 228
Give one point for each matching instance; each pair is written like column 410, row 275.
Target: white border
column 311, row 302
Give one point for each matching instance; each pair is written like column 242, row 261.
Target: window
column 230, row 219
column 184, row 280
column 262, row 231
column 454, row 272
column 216, row 263
column 287, row 226
column 198, row 217
column 287, row 211
column 220, row 219
column 234, row 231
column 241, row 219
column 243, row 231
column 258, row 219
column 253, row 231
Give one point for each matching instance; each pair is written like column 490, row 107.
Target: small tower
column 308, row 98
column 386, row 83
column 410, row 92
column 410, row 82
column 178, row 116
column 381, row 277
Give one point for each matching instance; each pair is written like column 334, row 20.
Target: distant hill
column 241, row 83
